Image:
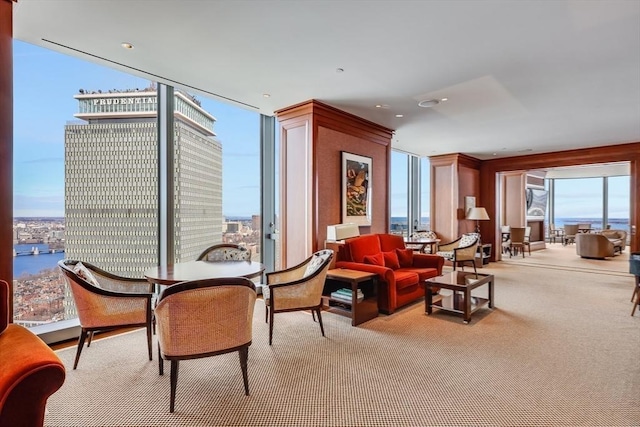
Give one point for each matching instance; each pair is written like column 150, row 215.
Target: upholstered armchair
column 422, row 234
column 204, row 318
column 105, row 301
column 225, row 252
column 570, row 231
column 461, row 250
column 30, row 371
column 297, row 288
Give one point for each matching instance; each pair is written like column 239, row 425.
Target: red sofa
column 400, row 270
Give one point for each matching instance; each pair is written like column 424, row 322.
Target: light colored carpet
column 559, row 349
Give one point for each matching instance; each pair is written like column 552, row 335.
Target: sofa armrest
column 30, row 373
column 381, row 271
column 428, row 261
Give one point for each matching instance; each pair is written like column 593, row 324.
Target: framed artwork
column 469, row 202
column 356, row 189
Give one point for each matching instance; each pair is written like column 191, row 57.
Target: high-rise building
column 111, row 183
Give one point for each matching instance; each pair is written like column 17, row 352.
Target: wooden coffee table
column 461, row 302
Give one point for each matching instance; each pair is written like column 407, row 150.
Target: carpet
column 559, row 349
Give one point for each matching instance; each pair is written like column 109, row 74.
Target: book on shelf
column 346, row 296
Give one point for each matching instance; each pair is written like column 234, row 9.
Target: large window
column 578, row 200
column 86, row 177
column 410, row 193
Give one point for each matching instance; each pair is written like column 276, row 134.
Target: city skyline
column 39, row 150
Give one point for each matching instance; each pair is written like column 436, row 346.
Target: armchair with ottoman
column 617, row 237
column 597, row 246
column 400, row 271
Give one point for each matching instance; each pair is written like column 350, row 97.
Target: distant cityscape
column 38, row 245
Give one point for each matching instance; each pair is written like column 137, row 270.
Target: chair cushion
column 84, row 273
column 405, row 257
column 423, row 273
column 391, row 260
column 359, row 247
column 405, row 278
column 376, row 259
column 467, row 239
column 445, row 254
column 313, row 265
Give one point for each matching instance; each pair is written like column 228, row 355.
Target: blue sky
column 44, row 85
column 45, row 82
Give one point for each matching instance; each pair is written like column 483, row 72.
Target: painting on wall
column 356, row 189
column 469, row 202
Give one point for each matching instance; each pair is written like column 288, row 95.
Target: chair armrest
column 369, row 268
column 30, row 373
column 448, row 247
column 428, row 261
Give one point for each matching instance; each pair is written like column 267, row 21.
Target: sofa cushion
column 389, row 242
column 375, row 259
column 405, row 278
column 391, row 260
column 423, row 273
column 405, row 257
column 359, row 247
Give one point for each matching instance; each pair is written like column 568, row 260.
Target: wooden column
column 313, row 136
column 6, row 145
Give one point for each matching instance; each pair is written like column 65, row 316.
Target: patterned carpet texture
column 559, row 349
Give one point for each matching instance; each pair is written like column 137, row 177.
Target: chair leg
column 266, row 314
column 522, row 252
column 313, row 315
column 474, row 267
column 149, row 345
column 81, row 340
column 160, row 362
column 319, row 320
column 174, row 384
column 270, row 326
column 244, row 356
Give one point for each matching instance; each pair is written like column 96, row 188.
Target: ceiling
column 521, row 77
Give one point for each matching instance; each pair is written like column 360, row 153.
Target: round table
column 198, row 270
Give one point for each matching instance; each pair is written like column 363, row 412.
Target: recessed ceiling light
column 378, row 106
column 266, row 95
column 444, row 99
column 126, row 45
column 382, row 106
column 428, row 103
column 399, row 115
column 339, row 70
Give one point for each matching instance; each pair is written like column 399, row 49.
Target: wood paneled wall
column 6, row 145
column 617, row 153
column 328, row 132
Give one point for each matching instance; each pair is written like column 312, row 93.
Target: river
column 32, row 264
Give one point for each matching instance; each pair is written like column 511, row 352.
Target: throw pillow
column 84, row 273
column 467, row 240
column 377, row 259
column 405, row 257
column 391, row 260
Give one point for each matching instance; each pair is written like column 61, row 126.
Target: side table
column 359, row 311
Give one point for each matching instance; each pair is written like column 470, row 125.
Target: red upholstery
column 397, row 286
column 29, row 371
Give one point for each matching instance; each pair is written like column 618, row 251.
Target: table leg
column 490, row 284
column 467, row 306
column 428, row 299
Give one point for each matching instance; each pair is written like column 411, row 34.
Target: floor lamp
column 478, row 214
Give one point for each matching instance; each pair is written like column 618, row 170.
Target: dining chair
column 461, row 250
column 555, row 233
column 203, row 318
column 297, row 288
column 225, row 252
column 570, row 231
column 504, row 232
column 516, row 240
column 105, row 301
column 421, row 234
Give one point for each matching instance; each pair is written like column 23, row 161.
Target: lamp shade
column 478, row 214
column 342, row 231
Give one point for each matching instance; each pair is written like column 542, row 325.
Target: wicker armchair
column 422, row 234
column 461, row 250
column 225, row 252
column 105, row 301
column 297, row 288
column 203, row 318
